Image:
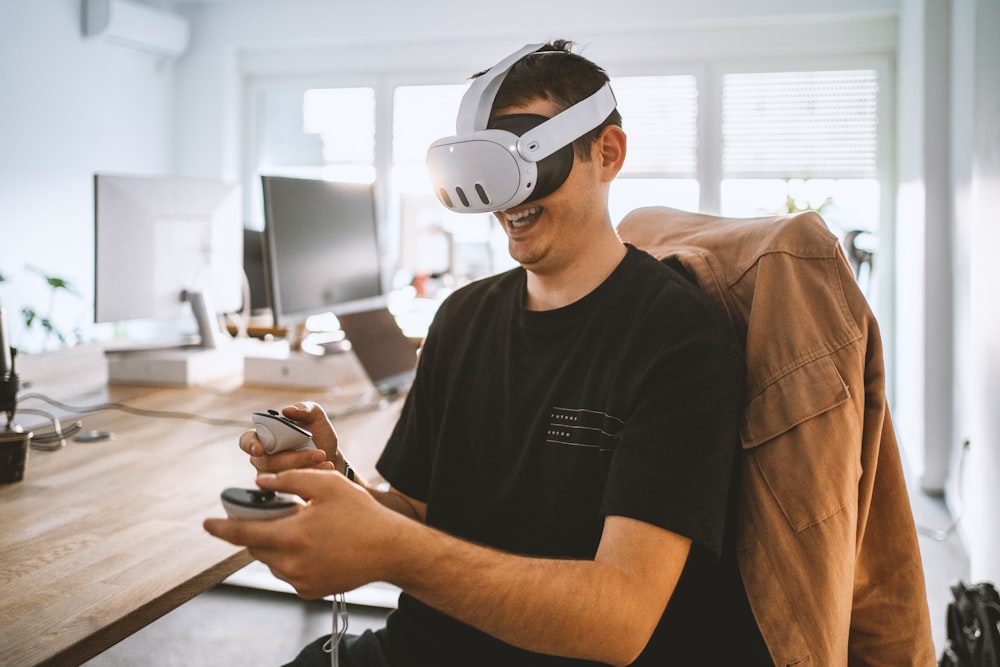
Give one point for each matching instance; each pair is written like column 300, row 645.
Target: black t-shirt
column 524, row 429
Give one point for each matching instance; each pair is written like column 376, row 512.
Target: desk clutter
column 111, row 459
column 368, row 346
column 106, row 528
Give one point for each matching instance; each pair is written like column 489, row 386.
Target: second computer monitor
column 322, row 248
column 160, row 241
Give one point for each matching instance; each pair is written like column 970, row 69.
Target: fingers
column 244, row 533
column 307, row 484
column 271, row 544
column 308, row 458
column 312, row 416
column 305, row 412
column 250, row 443
column 309, row 415
column 305, row 458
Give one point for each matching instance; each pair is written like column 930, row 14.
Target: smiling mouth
column 522, row 218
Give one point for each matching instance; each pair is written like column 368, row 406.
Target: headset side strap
column 567, row 126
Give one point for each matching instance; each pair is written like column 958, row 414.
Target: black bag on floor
column 973, row 627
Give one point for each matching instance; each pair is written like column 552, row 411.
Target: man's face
column 544, row 234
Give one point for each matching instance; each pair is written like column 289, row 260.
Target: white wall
column 948, row 313
column 71, row 106
column 981, row 494
column 924, row 295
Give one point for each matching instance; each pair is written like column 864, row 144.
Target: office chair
column 826, row 541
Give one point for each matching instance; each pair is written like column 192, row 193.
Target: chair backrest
column 787, row 311
column 823, row 565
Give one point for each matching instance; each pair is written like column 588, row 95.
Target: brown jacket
column 826, row 539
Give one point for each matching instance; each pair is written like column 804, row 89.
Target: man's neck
column 581, row 276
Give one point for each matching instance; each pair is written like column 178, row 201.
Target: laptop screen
column 387, row 355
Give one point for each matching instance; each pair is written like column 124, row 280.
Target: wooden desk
column 102, row 538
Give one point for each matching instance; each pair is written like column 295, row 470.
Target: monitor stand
column 212, row 359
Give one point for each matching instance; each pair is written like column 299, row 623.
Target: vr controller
column 278, row 433
column 259, row 505
column 482, row 169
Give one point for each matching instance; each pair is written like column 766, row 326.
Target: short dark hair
column 556, row 74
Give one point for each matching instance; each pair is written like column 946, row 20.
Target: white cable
column 340, row 622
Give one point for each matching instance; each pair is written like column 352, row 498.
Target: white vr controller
column 259, row 505
column 279, row 434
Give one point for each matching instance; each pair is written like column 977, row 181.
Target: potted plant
column 37, row 320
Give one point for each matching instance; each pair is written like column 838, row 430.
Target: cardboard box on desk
column 278, row 366
column 177, row 367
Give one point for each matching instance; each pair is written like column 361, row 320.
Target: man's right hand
column 313, row 418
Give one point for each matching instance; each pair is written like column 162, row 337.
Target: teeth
column 515, row 218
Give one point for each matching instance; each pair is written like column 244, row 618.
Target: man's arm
column 603, row 610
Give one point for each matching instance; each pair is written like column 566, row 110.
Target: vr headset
column 495, row 166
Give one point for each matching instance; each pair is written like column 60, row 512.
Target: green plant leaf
column 57, row 283
column 54, row 282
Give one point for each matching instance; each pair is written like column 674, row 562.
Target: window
column 434, row 239
column 344, row 121
column 756, row 143
column 804, row 140
column 660, row 117
column 801, row 140
column 742, row 143
column 800, row 124
column 311, row 133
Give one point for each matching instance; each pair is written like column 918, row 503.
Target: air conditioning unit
column 136, row 25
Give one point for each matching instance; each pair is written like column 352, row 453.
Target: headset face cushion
column 553, row 170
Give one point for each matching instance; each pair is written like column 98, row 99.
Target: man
column 561, row 467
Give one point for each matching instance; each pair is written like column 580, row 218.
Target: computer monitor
column 167, row 248
column 321, row 248
column 253, row 266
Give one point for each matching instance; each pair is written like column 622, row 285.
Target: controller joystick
column 259, row 505
column 278, row 433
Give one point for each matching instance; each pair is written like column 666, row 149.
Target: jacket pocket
column 803, row 437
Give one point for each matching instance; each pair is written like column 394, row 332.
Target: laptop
column 387, row 355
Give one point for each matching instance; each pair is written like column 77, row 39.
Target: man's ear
column 611, row 146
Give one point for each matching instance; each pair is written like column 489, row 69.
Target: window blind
column 660, row 117
column 821, row 124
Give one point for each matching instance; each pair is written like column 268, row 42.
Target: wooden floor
column 232, row 625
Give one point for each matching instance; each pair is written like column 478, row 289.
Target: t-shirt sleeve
column 674, row 462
